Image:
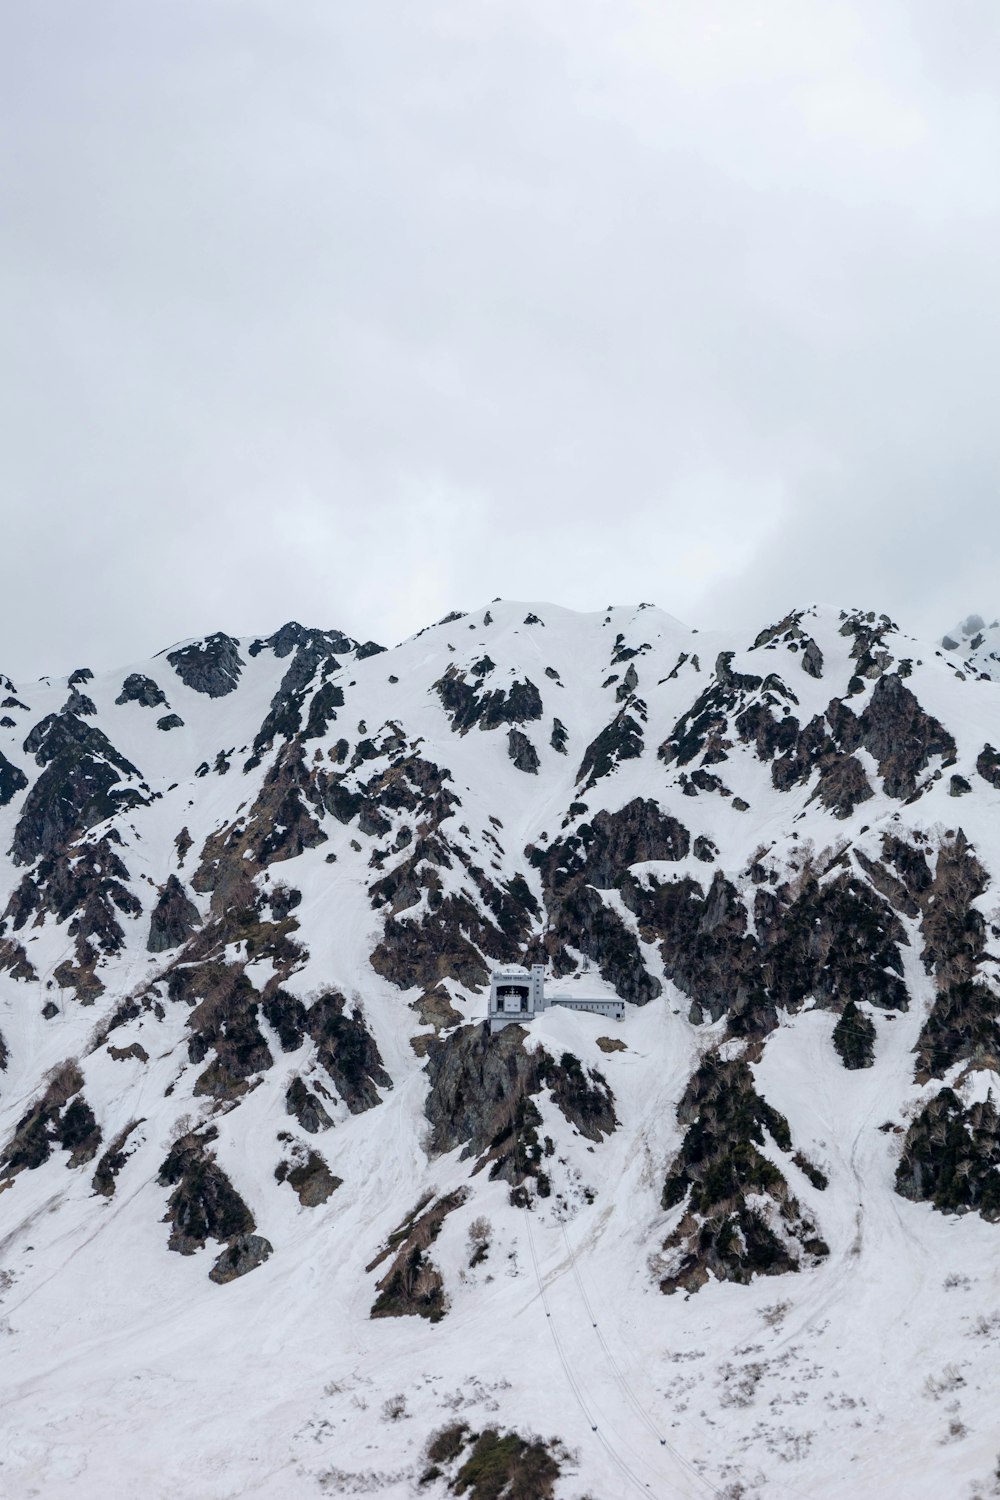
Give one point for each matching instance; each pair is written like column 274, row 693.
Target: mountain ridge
column 254, row 892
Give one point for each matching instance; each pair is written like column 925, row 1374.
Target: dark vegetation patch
column 61, row 1117
column 716, row 1173
column 173, row 918
column 480, row 1098
column 204, row 1204
column 113, row 1159
column 413, row 1285
column 496, row 1466
column 951, row 1157
column 854, row 1037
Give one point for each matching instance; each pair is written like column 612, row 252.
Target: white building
column 517, row 995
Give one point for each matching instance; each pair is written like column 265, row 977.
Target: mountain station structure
column 518, row 995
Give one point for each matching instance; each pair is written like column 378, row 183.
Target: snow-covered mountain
column 280, row 1218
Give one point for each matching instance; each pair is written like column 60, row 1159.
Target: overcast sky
column 360, row 312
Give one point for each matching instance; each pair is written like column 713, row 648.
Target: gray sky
column 357, row 313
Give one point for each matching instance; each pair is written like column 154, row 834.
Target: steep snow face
column 279, row 1217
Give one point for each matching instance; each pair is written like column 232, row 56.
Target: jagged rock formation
column 260, row 922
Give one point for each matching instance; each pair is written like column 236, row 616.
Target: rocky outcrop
column 988, row 765
column 314, row 657
column 12, row 780
column 244, row 1253
column 951, row 1157
column 210, row 666
column 620, row 740
column 832, row 939
column 173, row 918
column 80, row 785
column 740, row 1219
column 598, row 856
column 522, row 752
column 311, row 1179
column 901, row 736
column 204, row 1204
column 479, row 1098
column 413, row 1285
column 137, row 688
column 469, row 703
column 61, row 1117
column 112, row 1161
column 306, row 1107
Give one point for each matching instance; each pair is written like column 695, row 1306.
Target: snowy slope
column 298, row 891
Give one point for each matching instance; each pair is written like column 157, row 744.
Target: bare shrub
column 394, row 1408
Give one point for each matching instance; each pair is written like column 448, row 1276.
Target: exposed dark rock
column 413, row 1285
column 14, row 960
column 468, row 703
column 812, row 658
column 522, row 752
column 311, row 1179
column 306, row 1108
column 170, row 721
column 842, row 785
column 584, row 1097
column 988, row 765
column 854, row 1037
column 112, row 1161
column 836, row 941
column 225, row 1021
column 211, row 666
column 204, row 1204
column 620, row 740
column 346, row 1049
column 314, row 655
column 951, row 1157
column 245, row 1253
column 901, row 736
column 79, row 703
column 173, row 918
column 284, row 641
column 599, row 855
column 279, row 826
column 12, row 780
column 705, row 728
column 559, row 736
column 479, row 1098
column 78, row 787
column 958, row 786
column 61, row 1117
column 740, row 1219
column 81, row 675
column 85, row 887
column 962, row 1024
column 137, row 688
